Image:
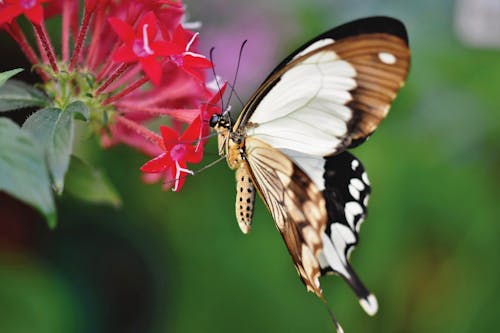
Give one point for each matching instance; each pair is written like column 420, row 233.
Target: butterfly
column 291, row 143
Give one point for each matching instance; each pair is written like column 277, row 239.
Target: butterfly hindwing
column 346, row 192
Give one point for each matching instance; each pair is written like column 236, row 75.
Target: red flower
column 141, row 45
column 178, row 152
column 149, row 44
column 32, row 9
column 185, row 59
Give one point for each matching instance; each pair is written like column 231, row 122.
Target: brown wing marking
column 381, row 62
column 296, row 204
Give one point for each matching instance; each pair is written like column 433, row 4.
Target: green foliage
column 89, row 184
column 35, row 158
column 17, row 95
column 24, row 173
column 8, row 74
column 53, row 129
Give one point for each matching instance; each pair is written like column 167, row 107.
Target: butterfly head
column 220, row 121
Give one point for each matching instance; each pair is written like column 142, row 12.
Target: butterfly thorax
column 230, row 143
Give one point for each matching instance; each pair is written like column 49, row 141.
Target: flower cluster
column 136, row 67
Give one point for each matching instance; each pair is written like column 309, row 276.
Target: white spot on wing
column 332, row 256
column 358, row 184
column 365, row 200
column 364, row 176
column 369, row 304
column 387, row 58
column 353, row 191
column 354, row 164
column 352, row 209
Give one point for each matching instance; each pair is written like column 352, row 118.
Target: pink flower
column 184, row 57
column 178, row 151
column 114, row 61
column 141, row 45
column 32, row 9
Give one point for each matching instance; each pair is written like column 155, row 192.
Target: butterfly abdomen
column 245, row 198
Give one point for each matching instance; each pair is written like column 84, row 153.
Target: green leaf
column 23, row 171
column 54, row 130
column 4, row 76
column 80, row 110
column 86, row 183
column 17, row 95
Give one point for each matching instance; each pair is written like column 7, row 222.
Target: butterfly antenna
column 236, row 94
column 335, row 322
column 216, row 77
column 236, row 72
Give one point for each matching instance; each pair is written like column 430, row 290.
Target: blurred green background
column 177, row 262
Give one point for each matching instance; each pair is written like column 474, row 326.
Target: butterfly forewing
column 328, row 97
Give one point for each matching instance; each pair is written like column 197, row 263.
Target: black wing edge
column 367, row 25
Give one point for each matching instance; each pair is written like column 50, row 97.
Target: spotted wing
column 345, row 187
column 332, row 92
column 296, row 204
column 346, row 191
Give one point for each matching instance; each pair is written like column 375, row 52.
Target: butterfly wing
column 333, row 92
column 327, row 96
column 296, row 204
column 346, row 192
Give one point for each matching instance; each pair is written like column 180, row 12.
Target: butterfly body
column 291, row 142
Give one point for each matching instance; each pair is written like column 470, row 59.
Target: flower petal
column 196, row 60
column 122, row 29
column 158, row 164
column 194, row 72
column 192, row 133
column 150, row 19
column 35, row 14
column 179, row 37
column 170, row 137
column 152, row 68
column 166, row 48
column 9, row 12
column 124, row 54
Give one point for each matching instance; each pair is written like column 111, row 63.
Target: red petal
column 9, row 12
column 170, row 137
column 35, row 14
column 152, row 68
column 158, row 164
column 195, row 154
column 124, row 54
column 150, row 19
column 193, row 132
column 196, row 73
column 122, row 29
column 196, row 61
column 180, row 37
column 166, row 48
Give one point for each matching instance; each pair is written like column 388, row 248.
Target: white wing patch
column 305, row 110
